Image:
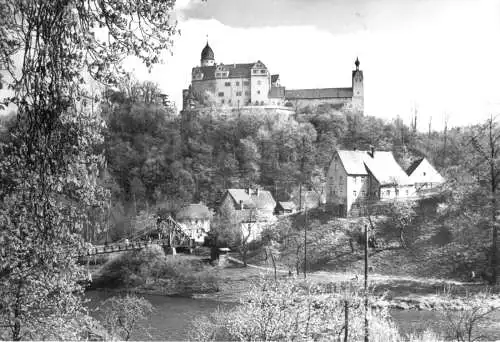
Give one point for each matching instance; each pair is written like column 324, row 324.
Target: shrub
column 122, row 315
column 292, row 310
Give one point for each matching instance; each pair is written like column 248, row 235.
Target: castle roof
column 381, row 165
column 242, row 70
column 318, row 93
column 207, row 53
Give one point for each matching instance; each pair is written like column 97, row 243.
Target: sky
column 440, row 56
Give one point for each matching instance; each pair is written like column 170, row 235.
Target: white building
column 253, row 209
column 195, row 220
column 356, row 177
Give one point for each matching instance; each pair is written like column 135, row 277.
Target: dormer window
column 255, row 71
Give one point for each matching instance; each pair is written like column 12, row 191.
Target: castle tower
column 357, row 88
column 207, row 56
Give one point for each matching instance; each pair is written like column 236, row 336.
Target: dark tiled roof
column 413, row 166
column 242, row 70
column 274, row 78
column 323, row 93
column 194, row 211
column 207, row 52
column 277, row 92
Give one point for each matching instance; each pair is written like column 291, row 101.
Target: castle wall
column 302, row 103
column 260, row 86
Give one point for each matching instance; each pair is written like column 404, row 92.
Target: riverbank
column 397, row 292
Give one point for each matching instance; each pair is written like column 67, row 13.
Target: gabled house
column 356, row 177
column 424, row 175
column 253, row 209
column 195, row 220
column 285, row 208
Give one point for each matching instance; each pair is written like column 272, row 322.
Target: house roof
column 287, row 205
column 277, row 92
column 413, row 166
column 263, row 200
column 323, row 93
column 194, row 211
column 382, row 166
column 422, row 171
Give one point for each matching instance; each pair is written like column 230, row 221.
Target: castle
column 250, row 85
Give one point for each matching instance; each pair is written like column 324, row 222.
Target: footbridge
column 166, row 233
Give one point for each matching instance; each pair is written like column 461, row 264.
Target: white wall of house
column 391, row 192
column 251, row 230
column 336, row 183
column 425, row 176
column 357, row 189
column 196, row 228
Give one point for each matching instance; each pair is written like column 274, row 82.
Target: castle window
column 259, row 82
column 221, row 94
column 397, row 192
column 237, row 83
column 255, row 71
column 238, row 93
column 354, row 193
column 406, row 192
column 247, row 83
column 247, row 93
column 227, row 84
column 256, row 103
column 217, row 74
column 262, row 71
column 258, row 91
column 388, row 193
column 363, row 193
column 229, row 101
column 261, row 103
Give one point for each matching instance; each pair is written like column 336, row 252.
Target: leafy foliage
column 50, row 164
column 293, row 310
column 123, row 315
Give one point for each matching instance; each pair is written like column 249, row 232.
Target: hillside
column 432, row 251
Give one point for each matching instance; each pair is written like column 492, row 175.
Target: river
column 172, row 317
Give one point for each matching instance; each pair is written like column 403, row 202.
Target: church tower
column 207, row 56
column 357, row 88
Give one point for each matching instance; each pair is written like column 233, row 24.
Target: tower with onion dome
column 207, row 56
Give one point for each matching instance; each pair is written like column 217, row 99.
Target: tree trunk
column 402, row 238
column 366, row 284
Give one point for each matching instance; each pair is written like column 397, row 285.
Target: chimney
column 372, row 150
